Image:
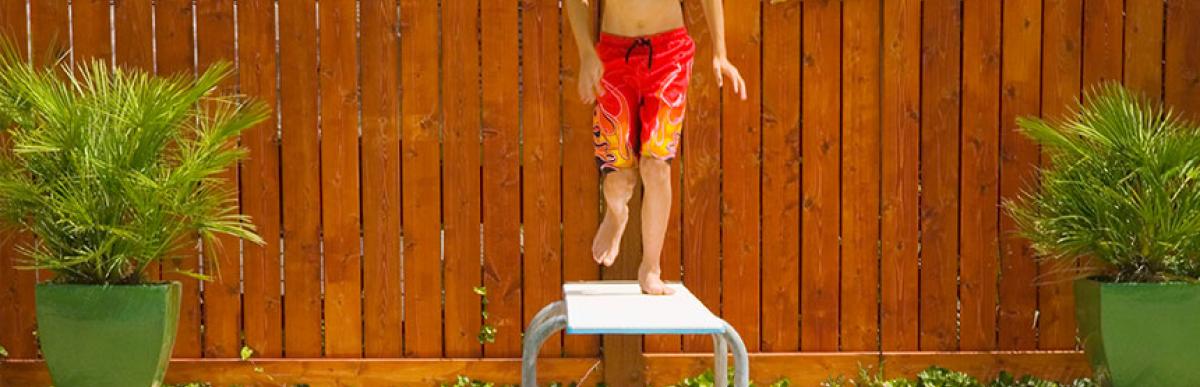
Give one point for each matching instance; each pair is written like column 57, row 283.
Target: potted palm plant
column 1121, row 197
column 112, row 170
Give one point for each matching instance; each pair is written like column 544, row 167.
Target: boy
column 637, row 75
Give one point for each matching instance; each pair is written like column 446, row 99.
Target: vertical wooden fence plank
column 17, row 315
column 979, row 258
column 1182, row 70
column 540, row 156
column 781, row 177
column 14, row 25
column 381, row 170
column 701, row 166
column 860, row 176
column 175, row 57
column 1018, row 161
column 1103, row 41
column 173, row 33
column 1143, row 59
column 421, row 179
column 940, row 102
column 222, row 296
column 1060, row 92
column 257, row 66
column 339, row 179
column 742, row 166
column 580, row 184
column 91, row 33
column 501, row 176
column 901, row 110
column 460, row 62
column 49, row 32
column 301, row 179
column 821, row 173
column 134, row 34
column 17, row 311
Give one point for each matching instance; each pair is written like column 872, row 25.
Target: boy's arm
column 715, row 14
column 590, row 68
column 581, row 26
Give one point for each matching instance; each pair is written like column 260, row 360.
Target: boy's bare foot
column 650, row 278
column 607, row 244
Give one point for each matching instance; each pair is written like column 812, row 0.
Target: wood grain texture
column 821, row 148
column 741, row 163
column 781, row 178
column 940, row 103
column 580, row 183
column 1060, row 93
column 701, row 166
column 1143, row 51
column 338, row 372
column 14, row 26
column 859, row 321
column 1020, row 84
column 262, row 318
column 1051, row 365
column 979, row 181
column 460, row 171
column 18, row 320
column 502, row 176
column 901, row 117
column 222, row 256
column 134, row 34
column 541, row 161
column 1103, row 41
column 802, row 369
column 91, row 33
column 1182, row 70
column 303, row 336
column 340, row 220
column 421, row 179
column 380, row 52
column 49, row 32
column 175, row 56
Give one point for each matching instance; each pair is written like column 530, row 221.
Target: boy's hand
column 723, row 68
column 591, row 70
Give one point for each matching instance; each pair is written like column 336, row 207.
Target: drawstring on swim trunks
column 649, row 47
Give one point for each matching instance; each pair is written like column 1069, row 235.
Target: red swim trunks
column 645, row 83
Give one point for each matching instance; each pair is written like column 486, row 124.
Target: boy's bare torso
column 641, row 17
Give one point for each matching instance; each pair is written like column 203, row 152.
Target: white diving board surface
column 620, row 308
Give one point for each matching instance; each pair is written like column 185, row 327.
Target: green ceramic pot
column 1140, row 334
column 101, row 336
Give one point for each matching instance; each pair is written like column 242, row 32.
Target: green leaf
column 480, row 290
column 3, row 352
column 487, row 334
column 246, row 353
column 118, row 167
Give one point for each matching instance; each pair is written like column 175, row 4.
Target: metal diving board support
column 620, row 308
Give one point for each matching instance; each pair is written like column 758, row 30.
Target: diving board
column 620, row 308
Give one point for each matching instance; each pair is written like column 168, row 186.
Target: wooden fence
column 422, row 148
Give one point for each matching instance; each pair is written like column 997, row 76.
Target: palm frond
column 1122, row 187
column 112, row 169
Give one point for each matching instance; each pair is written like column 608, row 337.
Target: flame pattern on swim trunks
column 668, row 125
column 610, row 131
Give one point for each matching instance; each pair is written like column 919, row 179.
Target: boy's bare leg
column 618, row 188
column 656, row 211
